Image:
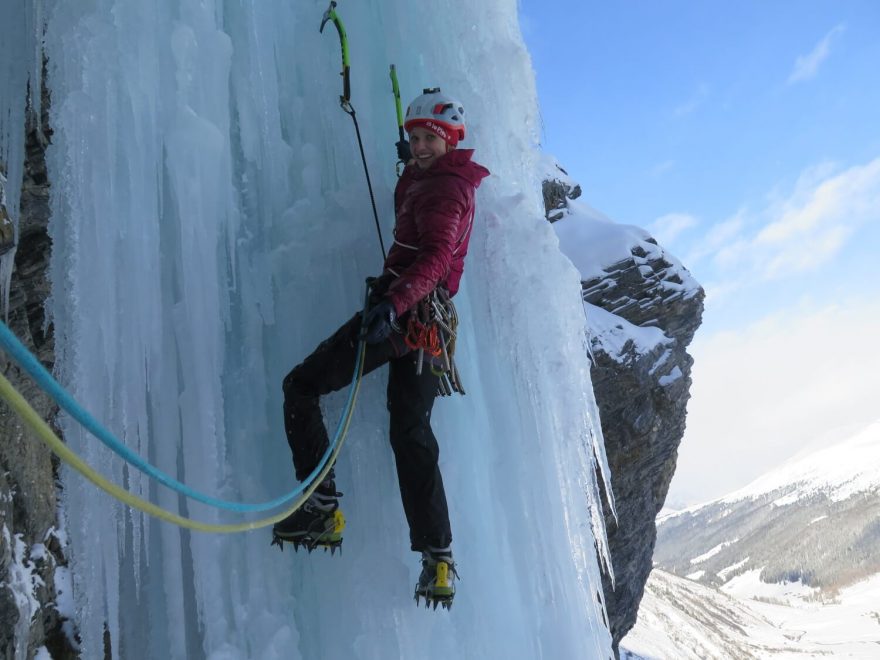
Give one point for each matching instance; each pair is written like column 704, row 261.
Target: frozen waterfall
column 211, row 224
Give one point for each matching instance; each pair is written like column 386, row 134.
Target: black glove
column 379, row 286
column 379, row 322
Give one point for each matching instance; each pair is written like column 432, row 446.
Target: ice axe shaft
column 403, row 152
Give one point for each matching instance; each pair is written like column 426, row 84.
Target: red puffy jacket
column 435, row 214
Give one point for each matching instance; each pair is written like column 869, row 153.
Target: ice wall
column 211, row 225
column 20, row 72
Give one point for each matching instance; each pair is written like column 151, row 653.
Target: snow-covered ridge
column 839, row 471
column 594, row 242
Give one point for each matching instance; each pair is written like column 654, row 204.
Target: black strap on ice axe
column 345, row 102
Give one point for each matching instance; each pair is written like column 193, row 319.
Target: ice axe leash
column 403, row 152
column 345, row 103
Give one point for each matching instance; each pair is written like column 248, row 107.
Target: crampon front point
column 327, row 535
column 436, row 585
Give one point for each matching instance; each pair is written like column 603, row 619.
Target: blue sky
column 746, row 136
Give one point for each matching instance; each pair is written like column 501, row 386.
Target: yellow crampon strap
column 33, row 420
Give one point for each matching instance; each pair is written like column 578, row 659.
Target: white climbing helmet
column 438, row 113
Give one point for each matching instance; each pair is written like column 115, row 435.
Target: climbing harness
column 345, row 103
column 431, row 330
column 30, row 364
column 403, row 151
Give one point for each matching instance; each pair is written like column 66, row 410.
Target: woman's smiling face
column 426, row 147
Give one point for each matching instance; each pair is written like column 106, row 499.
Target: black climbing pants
column 410, row 399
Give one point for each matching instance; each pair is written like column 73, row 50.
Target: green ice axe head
column 395, row 88
column 331, row 15
column 403, row 151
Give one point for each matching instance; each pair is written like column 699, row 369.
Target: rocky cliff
column 643, row 309
column 33, row 576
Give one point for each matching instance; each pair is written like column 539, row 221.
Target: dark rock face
column 556, row 195
column 642, row 393
column 30, row 544
column 642, row 400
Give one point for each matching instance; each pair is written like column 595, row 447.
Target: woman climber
column 407, row 326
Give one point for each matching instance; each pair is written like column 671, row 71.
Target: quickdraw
column 431, row 330
column 423, row 336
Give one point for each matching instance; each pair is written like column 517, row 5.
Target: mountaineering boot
column 317, row 524
column 437, row 581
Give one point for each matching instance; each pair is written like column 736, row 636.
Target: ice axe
column 345, row 102
column 331, row 15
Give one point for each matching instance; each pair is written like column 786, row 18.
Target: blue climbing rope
column 27, row 361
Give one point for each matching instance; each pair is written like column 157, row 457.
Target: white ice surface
column 210, row 225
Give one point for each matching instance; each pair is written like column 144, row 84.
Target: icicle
column 20, row 64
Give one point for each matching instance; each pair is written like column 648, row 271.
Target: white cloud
column 842, row 199
column 800, row 233
column 786, row 383
column 662, row 168
column 723, row 234
column 806, row 66
column 667, row 227
column 818, row 248
column 694, row 102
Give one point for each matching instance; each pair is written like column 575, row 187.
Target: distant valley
column 787, row 567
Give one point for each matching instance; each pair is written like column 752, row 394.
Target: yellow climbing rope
column 33, row 420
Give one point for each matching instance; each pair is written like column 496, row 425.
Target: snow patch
column 711, row 553
column 593, row 242
column 22, row 581
column 618, row 336
column 671, row 377
column 724, row 572
column 750, row 585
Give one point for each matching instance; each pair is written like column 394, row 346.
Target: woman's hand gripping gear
column 379, row 322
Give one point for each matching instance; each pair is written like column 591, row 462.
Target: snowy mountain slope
column 680, row 619
column 839, row 471
column 788, row 566
column 815, row 521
